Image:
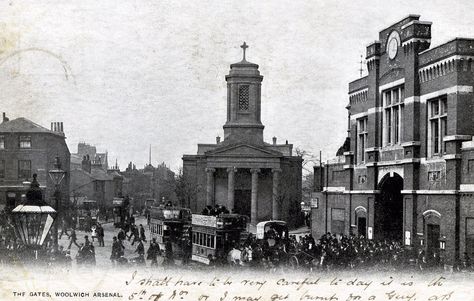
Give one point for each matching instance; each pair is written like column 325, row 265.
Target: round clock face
column 392, row 48
column 392, row 45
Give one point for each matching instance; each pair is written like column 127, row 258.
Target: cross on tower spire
column 244, row 47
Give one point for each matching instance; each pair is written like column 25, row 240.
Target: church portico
column 254, row 207
column 230, row 187
column 243, row 172
column 210, row 186
column 276, row 193
column 221, row 189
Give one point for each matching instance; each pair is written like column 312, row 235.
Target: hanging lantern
column 33, row 219
column 57, row 174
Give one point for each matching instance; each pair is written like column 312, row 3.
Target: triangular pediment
column 243, row 150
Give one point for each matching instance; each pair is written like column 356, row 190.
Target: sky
column 124, row 75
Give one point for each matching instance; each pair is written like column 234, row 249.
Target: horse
column 239, row 257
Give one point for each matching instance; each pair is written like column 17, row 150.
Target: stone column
column 230, row 188
column 253, row 206
column 275, row 195
column 210, row 186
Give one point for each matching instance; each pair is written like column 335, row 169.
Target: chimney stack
column 274, row 140
column 57, row 127
column 5, row 118
column 86, row 164
column 218, row 140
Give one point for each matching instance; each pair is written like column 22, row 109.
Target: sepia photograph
column 237, row 150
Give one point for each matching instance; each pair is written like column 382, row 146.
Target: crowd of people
column 329, row 252
column 215, row 211
column 137, row 235
column 332, row 252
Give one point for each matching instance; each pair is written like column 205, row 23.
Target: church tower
column 244, row 103
column 243, row 173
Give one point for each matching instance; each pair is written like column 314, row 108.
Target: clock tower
column 244, row 103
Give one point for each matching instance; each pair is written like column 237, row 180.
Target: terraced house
column 408, row 172
column 27, row 148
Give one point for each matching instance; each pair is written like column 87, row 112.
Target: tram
column 214, row 236
column 171, row 224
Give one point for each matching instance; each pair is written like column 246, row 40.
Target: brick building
column 407, row 171
column 85, row 149
column 242, row 172
column 27, row 148
column 151, row 182
column 91, row 180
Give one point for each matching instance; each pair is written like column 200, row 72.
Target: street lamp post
column 33, row 218
column 57, row 175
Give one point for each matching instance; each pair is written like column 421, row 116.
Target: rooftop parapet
column 358, row 84
column 456, row 46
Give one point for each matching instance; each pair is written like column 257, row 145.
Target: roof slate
column 23, row 125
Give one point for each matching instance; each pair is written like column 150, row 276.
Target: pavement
column 102, row 254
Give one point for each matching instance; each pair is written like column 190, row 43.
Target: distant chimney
column 86, row 164
column 274, row 140
column 5, row 118
column 218, row 140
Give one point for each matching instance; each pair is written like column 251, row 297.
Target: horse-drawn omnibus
column 171, row 224
column 150, row 203
column 272, row 231
column 87, row 214
column 120, row 211
column 214, row 236
column 274, row 235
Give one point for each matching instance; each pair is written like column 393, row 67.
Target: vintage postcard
column 237, row 150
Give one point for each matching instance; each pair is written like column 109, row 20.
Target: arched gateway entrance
column 388, row 219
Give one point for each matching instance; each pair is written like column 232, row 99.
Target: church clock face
column 393, row 42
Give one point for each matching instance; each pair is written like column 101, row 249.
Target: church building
column 243, row 172
column 406, row 171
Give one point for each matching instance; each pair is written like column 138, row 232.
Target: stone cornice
column 429, row 191
column 411, row 143
column 457, row 137
column 361, row 191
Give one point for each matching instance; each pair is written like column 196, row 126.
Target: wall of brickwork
column 44, row 149
column 465, row 111
column 468, row 166
column 82, row 185
column 442, row 176
column 446, row 206
column 466, row 212
column 429, row 170
column 365, row 201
